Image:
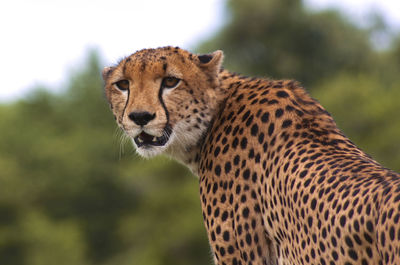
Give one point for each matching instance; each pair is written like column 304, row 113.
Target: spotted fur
column 279, row 182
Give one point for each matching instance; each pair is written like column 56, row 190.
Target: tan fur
column 279, row 182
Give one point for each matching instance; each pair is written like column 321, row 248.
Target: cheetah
column 279, row 183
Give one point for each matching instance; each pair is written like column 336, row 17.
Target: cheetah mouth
column 146, row 140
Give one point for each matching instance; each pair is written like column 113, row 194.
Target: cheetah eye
column 122, row 85
column 170, row 82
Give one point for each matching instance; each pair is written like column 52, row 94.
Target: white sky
column 42, row 40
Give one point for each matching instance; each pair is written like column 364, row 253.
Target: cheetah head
column 164, row 98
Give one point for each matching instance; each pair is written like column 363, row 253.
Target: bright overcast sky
column 42, row 40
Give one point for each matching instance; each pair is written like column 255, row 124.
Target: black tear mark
column 126, row 104
column 163, row 104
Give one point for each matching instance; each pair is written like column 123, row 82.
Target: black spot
column 217, row 170
column 251, row 153
column 223, row 198
column 235, row 142
column 286, row 123
column 216, row 151
column 228, row 167
column 248, row 239
column 349, row 242
column 249, row 121
column 353, row 254
column 265, row 146
column 357, row 239
column 230, row 250
column 254, row 130
column 245, row 257
column 391, row 233
column 282, row 94
column 246, row 174
column 370, row 226
column 226, row 236
column 271, row 129
column 305, row 198
column 226, row 148
column 368, row 238
column 289, row 108
column 265, row 117
column 213, row 236
column 261, row 138
column 205, row 58
column 279, row 113
column 243, row 143
column 307, row 183
column 383, row 239
column 343, row 221
column 224, row 216
column 303, row 173
column 264, row 100
column 313, row 204
column 245, row 212
column 236, row 160
column 322, row 246
column 222, row 251
column 216, row 212
column 215, row 188
column 239, row 98
column 254, row 177
column 310, row 221
column 246, row 115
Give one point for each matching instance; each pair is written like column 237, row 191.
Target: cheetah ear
column 106, row 72
column 212, row 61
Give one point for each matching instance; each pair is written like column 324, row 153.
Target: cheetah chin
column 148, row 145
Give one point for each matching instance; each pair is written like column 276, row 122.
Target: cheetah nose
column 141, row 118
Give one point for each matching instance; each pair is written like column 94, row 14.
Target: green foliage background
column 72, row 190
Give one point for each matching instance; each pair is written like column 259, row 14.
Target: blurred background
column 72, row 189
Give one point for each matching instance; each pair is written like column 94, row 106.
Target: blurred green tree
column 283, row 39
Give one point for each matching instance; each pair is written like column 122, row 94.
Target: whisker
column 121, row 137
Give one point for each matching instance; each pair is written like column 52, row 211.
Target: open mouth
column 145, row 139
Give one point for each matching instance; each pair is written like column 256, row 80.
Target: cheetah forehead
column 158, row 57
column 161, row 59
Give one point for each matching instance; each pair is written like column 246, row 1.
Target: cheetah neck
column 189, row 155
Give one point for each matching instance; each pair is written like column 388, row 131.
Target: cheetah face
column 163, row 98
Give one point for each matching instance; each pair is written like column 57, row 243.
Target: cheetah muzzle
column 144, row 140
